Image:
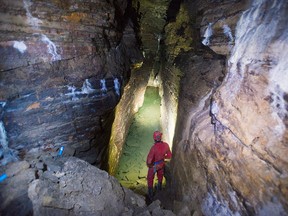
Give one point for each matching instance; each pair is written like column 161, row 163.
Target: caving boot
column 150, row 193
column 159, row 186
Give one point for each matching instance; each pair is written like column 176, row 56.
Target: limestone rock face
column 202, row 75
column 218, row 23
column 63, row 68
column 230, row 144
column 251, row 117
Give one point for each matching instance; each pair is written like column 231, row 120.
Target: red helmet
column 157, row 136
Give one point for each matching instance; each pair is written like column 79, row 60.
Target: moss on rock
column 179, row 34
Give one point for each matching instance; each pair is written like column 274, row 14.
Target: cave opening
column 131, row 171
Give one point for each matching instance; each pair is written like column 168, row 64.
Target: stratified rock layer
column 63, row 69
column 230, row 144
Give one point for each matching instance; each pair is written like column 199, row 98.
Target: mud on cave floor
column 132, row 169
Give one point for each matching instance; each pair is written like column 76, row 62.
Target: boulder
column 79, row 188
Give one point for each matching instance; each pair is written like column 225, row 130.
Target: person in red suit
column 156, row 162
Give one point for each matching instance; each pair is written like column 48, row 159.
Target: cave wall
column 63, row 68
column 128, row 106
column 178, row 39
column 230, row 139
column 151, row 17
column 250, row 110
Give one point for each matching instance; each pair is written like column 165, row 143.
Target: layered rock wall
column 230, row 140
column 63, row 69
column 178, row 39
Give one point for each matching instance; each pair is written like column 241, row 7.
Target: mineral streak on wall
column 254, row 113
column 55, row 56
column 233, row 149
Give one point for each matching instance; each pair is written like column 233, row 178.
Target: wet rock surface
column 63, row 70
column 231, row 135
column 131, row 100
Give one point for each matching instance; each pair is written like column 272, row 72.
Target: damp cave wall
column 230, row 137
column 63, row 68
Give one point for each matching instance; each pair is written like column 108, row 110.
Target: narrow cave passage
column 132, row 170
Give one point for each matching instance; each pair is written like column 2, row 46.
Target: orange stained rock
column 33, row 106
column 75, row 17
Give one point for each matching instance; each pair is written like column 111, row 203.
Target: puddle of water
column 132, row 169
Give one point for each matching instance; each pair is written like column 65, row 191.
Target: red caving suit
column 155, row 161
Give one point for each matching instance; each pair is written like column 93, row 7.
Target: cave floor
column 132, row 170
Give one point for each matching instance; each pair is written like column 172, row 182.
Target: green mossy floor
column 132, row 169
